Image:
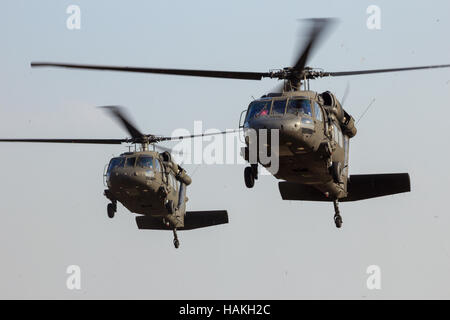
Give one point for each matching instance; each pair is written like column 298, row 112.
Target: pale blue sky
column 52, row 208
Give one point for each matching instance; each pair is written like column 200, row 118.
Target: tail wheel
column 338, row 221
column 249, row 177
column 111, row 210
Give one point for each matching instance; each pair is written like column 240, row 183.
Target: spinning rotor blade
column 317, row 32
column 84, row 141
column 158, row 139
column 118, row 114
column 358, row 72
column 137, row 136
column 179, row 72
column 294, row 75
column 318, row 28
column 170, row 150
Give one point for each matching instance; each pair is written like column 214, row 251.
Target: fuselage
column 311, row 138
column 142, row 182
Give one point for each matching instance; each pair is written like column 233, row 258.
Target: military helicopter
column 314, row 129
column 147, row 182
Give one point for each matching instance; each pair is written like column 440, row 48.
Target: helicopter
column 314, row 129
column 146, row 182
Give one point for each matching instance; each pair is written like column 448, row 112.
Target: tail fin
column 360, row 187
column 366, row 186
column 192, row 220
column 203, row 219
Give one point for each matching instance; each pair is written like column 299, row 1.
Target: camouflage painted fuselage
column 311, row 141
column 145, row 181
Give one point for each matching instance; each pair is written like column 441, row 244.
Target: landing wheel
column 111, row 210
column 337, row 216
column 249, row 177
column 176, row 243
column 338, row 221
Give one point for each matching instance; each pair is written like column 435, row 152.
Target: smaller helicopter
column 147, row 182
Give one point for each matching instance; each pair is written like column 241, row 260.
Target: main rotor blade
column 85, row 141
column 119, row 115
column 157, row 139
column 358, row 72
column 319, row 26
column 179, row 72
column 170, row 150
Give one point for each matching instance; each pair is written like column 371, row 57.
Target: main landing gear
column 112, row 209
column 170, row 206
column 176, row 242
column 337, row 216
column 250, row 175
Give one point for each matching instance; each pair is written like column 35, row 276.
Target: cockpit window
column 145, row 162
column 157, row 165
column 317, row 111
column 297, row 106
column 114, row 163
column 258, row 109
column 279, row 107
column 173, row 182
column 131, row 162
column 337, row 134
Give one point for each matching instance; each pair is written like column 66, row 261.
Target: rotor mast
column 145, row 144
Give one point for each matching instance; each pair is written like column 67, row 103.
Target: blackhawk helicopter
column 314, row 129
column 147, row 182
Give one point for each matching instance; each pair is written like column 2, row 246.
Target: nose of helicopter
column 288, row 129
column 137, row 181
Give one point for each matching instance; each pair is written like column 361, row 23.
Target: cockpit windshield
column 279, row 107
column 299, row 106
column 130, row 162
column 258, row 109
column 114, row 163
column 145, row 162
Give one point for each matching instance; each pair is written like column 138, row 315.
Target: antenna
column 365, row 111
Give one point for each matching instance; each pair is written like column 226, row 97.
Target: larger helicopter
column 314, row 129
column 147, row 182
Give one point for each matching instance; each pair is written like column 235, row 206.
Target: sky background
column 53, row 213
